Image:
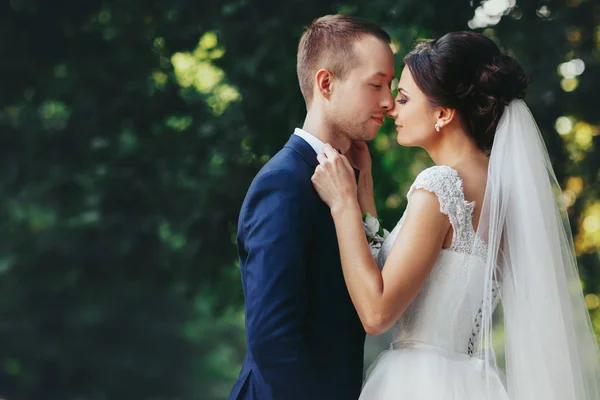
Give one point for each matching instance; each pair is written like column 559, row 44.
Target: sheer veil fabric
column 551, row 352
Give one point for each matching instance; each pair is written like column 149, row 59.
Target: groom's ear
column 323, row 83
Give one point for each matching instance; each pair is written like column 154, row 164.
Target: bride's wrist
column 366, row 196
column 367, row 205
column 343, row 207
column 366, row 176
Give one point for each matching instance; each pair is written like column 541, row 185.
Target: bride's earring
column 437, row 127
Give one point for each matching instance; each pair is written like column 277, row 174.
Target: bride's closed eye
column 402, row 101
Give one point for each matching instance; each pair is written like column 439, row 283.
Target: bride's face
column 414, row 116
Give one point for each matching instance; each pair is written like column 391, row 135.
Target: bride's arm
column 360, row 158
column 380, row 297
column 366, row 195
column 374, row 232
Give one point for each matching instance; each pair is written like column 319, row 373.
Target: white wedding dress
column 433, row 355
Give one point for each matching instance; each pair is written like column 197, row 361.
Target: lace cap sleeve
column 445, row 183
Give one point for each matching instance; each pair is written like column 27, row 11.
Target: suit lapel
column 305, row 150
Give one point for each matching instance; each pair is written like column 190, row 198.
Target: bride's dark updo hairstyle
column 466, row 71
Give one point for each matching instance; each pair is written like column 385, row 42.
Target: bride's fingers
column 333, row 162
column 319, row 171
column 337, row 161
column 321, row 158
column 347, row 163
column 330, row 152
column 316, row 175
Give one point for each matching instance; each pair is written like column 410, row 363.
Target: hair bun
column 503, row 80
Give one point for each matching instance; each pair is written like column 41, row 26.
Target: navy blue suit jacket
column 305, row 340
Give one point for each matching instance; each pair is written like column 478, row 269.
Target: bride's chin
column 407, row 141
column 402, row 141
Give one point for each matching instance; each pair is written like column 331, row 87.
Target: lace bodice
column 445, row 311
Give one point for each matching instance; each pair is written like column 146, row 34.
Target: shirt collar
column 312, row 140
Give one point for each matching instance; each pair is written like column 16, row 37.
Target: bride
column 482, row 244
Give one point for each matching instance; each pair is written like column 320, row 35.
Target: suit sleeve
column 277, row 227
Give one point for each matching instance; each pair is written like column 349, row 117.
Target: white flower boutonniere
column 375, row 233
column 373, row 228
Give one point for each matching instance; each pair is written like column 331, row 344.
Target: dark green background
column 130, row 131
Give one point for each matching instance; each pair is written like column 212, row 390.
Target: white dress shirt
column 313, row 141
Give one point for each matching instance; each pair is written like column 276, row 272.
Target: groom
column 305, row 340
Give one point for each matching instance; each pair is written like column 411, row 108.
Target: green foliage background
column 130, row 133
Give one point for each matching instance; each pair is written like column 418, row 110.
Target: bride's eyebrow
column 403, row 91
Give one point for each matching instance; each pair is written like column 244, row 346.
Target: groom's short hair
column 328, row 43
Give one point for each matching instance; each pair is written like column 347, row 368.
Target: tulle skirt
column 428, row 373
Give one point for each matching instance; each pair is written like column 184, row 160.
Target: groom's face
column 360, row 100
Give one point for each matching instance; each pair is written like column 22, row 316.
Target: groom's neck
column 317, row 126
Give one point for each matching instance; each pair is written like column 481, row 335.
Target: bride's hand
column 359, row 157
column 334, row 179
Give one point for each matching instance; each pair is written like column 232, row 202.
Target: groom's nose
column 387, row 103
column 391, row 113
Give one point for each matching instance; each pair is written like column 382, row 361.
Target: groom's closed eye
column 380, row 78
